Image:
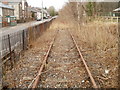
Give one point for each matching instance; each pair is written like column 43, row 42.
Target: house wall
column 20, row 11
column 29, row 15
column 39, row 15
column 7, row 12
column 44, row 15
column 24, row 10
column 17, row 9
column 1, row 12
column 0, row 17
column 34, row 15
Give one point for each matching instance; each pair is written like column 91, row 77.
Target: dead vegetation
column 99, row 35
column 98, row 41
column 91, row 29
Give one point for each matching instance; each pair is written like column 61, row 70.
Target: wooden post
column 9, row 43
column 23, row 40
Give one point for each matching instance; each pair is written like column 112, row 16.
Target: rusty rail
column 84, row 62
column 37, row 78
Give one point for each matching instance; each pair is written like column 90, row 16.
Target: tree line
column 84, row 11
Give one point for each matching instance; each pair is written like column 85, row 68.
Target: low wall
column 14, row 44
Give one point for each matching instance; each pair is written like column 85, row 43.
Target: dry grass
column 58, row 25
column 99, row 35
column 98, row 42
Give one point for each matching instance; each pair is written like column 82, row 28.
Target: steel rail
column 37, row 78
column 84, row 62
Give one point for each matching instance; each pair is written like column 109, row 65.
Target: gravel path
column 64, row 68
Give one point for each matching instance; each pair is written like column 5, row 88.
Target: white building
column 39, row 14
column 45, row 13
column 1, row 11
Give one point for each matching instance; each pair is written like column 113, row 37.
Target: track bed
column 64, row 67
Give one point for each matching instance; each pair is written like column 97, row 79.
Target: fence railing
column 14, row 44
column 111, row 18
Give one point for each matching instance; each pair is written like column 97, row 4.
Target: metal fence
column 16, row 43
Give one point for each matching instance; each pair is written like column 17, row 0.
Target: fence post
column 10, row 49
column 34, row 31
column 23, row 40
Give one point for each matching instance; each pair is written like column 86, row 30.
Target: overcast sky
column 47, row 3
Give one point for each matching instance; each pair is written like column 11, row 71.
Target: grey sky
column 47, row 3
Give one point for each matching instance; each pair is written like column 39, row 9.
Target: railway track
column 76, row 63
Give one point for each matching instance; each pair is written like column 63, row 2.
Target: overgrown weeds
column 99, row 35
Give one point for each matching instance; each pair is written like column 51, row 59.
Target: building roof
column 118, row 9
column 33, row 9
column 45, row 11
column 5, row 6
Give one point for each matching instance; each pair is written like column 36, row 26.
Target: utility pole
column 42, row 10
